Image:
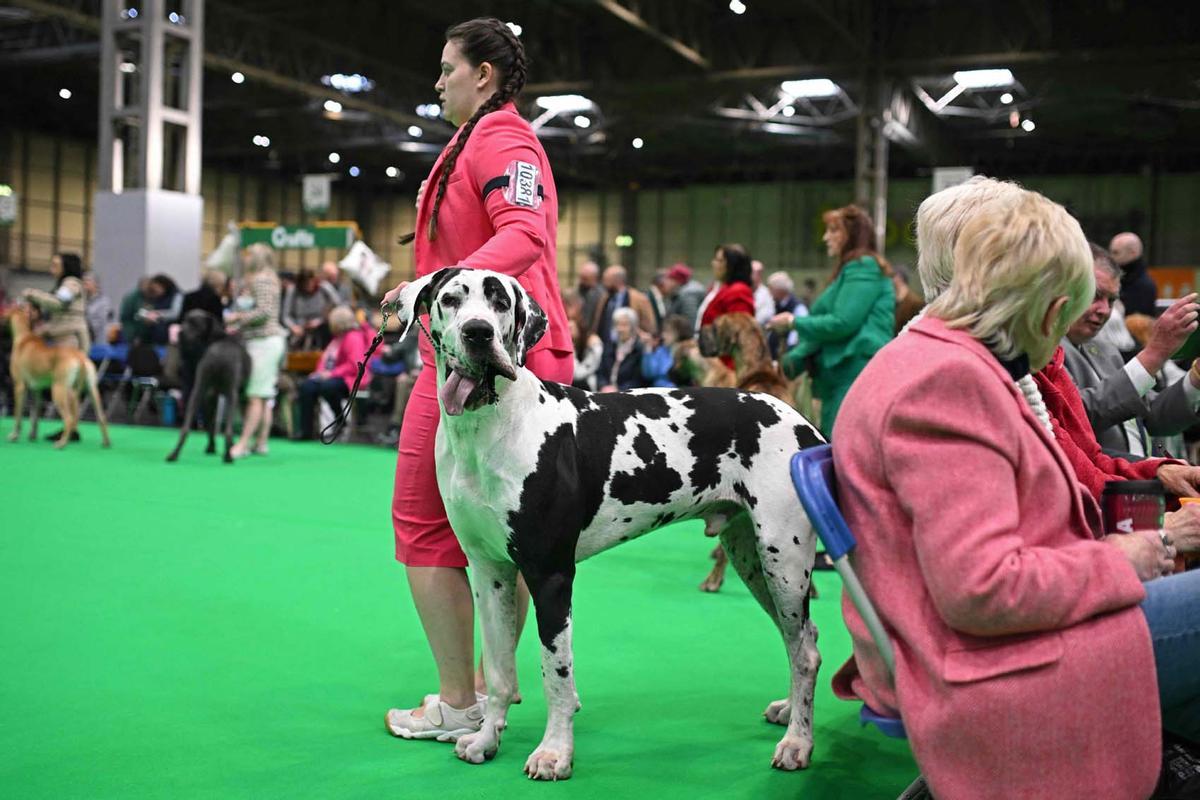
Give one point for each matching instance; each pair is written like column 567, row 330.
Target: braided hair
column 484, row 39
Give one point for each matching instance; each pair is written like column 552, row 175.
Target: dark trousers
column 332, row 389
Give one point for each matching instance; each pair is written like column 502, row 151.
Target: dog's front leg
column 551, row 595
column 18, row 409
column 495, row 589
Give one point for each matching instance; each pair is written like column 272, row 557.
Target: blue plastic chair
column 816, row 485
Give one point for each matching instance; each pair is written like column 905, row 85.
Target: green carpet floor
column 202, row 630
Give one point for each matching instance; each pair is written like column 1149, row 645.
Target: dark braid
column 484, row 39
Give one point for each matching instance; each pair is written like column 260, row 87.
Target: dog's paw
column 475, row 748
column 779, row 712
column 792, row 752
column 711, row 584
column 173, row 457
column 549, row 764
column 59, row 444
column 14, row 436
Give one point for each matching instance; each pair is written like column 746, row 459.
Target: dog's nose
column 476, row 331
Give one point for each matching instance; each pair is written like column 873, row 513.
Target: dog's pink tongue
column 455, row 391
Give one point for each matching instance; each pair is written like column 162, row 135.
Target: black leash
column 339, row 421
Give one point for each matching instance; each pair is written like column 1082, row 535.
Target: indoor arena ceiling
column 1095, row 85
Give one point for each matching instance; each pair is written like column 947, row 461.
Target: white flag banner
column 316, row 193
column 362, row 265
column 225, row 256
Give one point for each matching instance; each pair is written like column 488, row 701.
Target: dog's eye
column 450, row 301
column 501, row 303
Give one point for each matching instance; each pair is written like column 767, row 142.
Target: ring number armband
column 520, row 184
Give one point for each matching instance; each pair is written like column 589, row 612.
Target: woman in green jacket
column 852, row 318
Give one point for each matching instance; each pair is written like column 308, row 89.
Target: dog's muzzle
column 470, row 382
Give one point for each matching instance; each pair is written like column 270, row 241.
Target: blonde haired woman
column 264, row 338
column 1008, row 615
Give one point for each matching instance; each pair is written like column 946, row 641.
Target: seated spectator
column 406, row 352
column 622, row 295
column 99, row 311
column 782, row 290
column 133, row 327
column 764, row 301
column 1129, row 402
column 1139, row 292
column 305, row 307
column 210, row 296
column 589, row 350
column 343, row 287
column 731, row 292
column 660, row 363
column 334, row 377
column 621, row 365
column 1008, row 611
column 684, row 294
column 164, row 302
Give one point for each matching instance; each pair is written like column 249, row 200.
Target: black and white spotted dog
column 537, row 476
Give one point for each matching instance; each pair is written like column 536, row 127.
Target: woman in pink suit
column 1025, row 666
column 489, row 202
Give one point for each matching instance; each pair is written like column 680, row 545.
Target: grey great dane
column 537, row 476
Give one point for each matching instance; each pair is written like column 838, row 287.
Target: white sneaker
column 440, row 721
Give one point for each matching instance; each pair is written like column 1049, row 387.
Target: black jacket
column 1138, row 290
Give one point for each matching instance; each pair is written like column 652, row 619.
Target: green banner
column 300, row 237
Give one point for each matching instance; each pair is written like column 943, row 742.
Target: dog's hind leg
column 212, row 408
column 551, row 593
column 93, row 387
column 495, row 588
column 60, row 395
column 35, row 412
column 189, row 416
column 786, row 548
column 231, row 398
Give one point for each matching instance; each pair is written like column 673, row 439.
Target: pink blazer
column 1023, row 663
column 511, row 229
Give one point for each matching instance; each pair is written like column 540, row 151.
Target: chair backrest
column 815, row 482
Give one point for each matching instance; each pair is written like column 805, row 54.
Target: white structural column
column 148, row 207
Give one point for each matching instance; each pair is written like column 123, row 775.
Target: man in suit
column 621, row 295
column 1127, row 402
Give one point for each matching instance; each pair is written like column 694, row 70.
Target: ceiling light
column 789, row 111
column 392, row 172
column 515, row 28
column 349, row 83
column 262, row 141
column 637, row 143
column 1028, row 126
column 333, row 106
column 810, row 87
column 565, row 103
column 737, row 6
column 984, row 78
column 354, row 171
column 237, row 77
column 415, row 132
column 129, row 13
column 65, row 94
column 429, row 110
column 582, row 122
column 127, row 67
column 1006, row 98
column 175, row 18
column 334, row 158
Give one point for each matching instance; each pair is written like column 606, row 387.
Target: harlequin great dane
column 537, row 476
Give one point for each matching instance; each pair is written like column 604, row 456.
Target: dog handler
column 489, row 202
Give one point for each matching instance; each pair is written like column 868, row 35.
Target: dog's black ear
column 530, row 322
column 418, row 295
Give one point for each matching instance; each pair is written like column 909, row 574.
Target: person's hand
column 1181, row 480
column 781, row 322
column 421, row 192
column 393, row 297
column 295, row 329
column 1183, row 527
column 1169, row 333
column 153, row 316
column 313, row 323
column 608, row 388
column 1146, row 551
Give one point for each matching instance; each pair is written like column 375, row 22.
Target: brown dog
column 740, row 337
column 66, row 370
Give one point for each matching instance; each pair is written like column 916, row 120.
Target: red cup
column 1130, row 506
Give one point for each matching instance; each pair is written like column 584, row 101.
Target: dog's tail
column 89, row 375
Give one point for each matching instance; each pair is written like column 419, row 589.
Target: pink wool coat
column 512, row 231
column 1023, row 664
